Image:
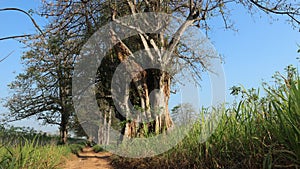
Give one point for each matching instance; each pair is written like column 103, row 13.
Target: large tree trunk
column 160, row 102
column 150, row 91
column 157, row 83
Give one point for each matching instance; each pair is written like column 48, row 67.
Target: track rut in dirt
column 88, row 159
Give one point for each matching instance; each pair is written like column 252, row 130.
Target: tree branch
column 274, row 11
column 26, row 13
column 6, row 56
column 14, row 37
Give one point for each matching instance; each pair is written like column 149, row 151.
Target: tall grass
column 12, row 135
column 30, row 155
column 27, row 149
column 285, row 124
column 255, row 132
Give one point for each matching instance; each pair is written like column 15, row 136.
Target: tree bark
column 151, row 91
column 100, row 134
column 64, row 128
column 104, row 127
column 159, row 120
column 108, row 126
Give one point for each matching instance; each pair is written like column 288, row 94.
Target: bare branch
column 176, row 38
column 14, row 37
column 274, row 10
column 26, row 13
column 6, row 56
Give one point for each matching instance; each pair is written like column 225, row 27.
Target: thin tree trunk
column 104, row 128
column 100, row 129
column 108, row 126
column 100, row 134
column 63, row 128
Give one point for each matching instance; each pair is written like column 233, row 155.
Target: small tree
column 44, row 89
column 184, row 114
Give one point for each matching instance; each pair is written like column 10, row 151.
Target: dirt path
column 87, row 159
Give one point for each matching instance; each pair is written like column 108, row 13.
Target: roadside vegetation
column 22, row 148
column 260, row 130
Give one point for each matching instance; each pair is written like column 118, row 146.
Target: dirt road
column 87, row 159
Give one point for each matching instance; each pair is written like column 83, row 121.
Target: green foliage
column 30, row 155
column 256, row 132
column 12, row 135
column 285, row 123
column 75, row 148
column 97, row 148
column 25, row 148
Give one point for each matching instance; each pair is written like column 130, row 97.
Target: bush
column 97, row 148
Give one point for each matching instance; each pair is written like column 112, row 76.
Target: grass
column 26, row 149
column 32, row 156
column 97, row 148
column 255, row 132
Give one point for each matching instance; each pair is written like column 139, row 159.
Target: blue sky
column 259, row 48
